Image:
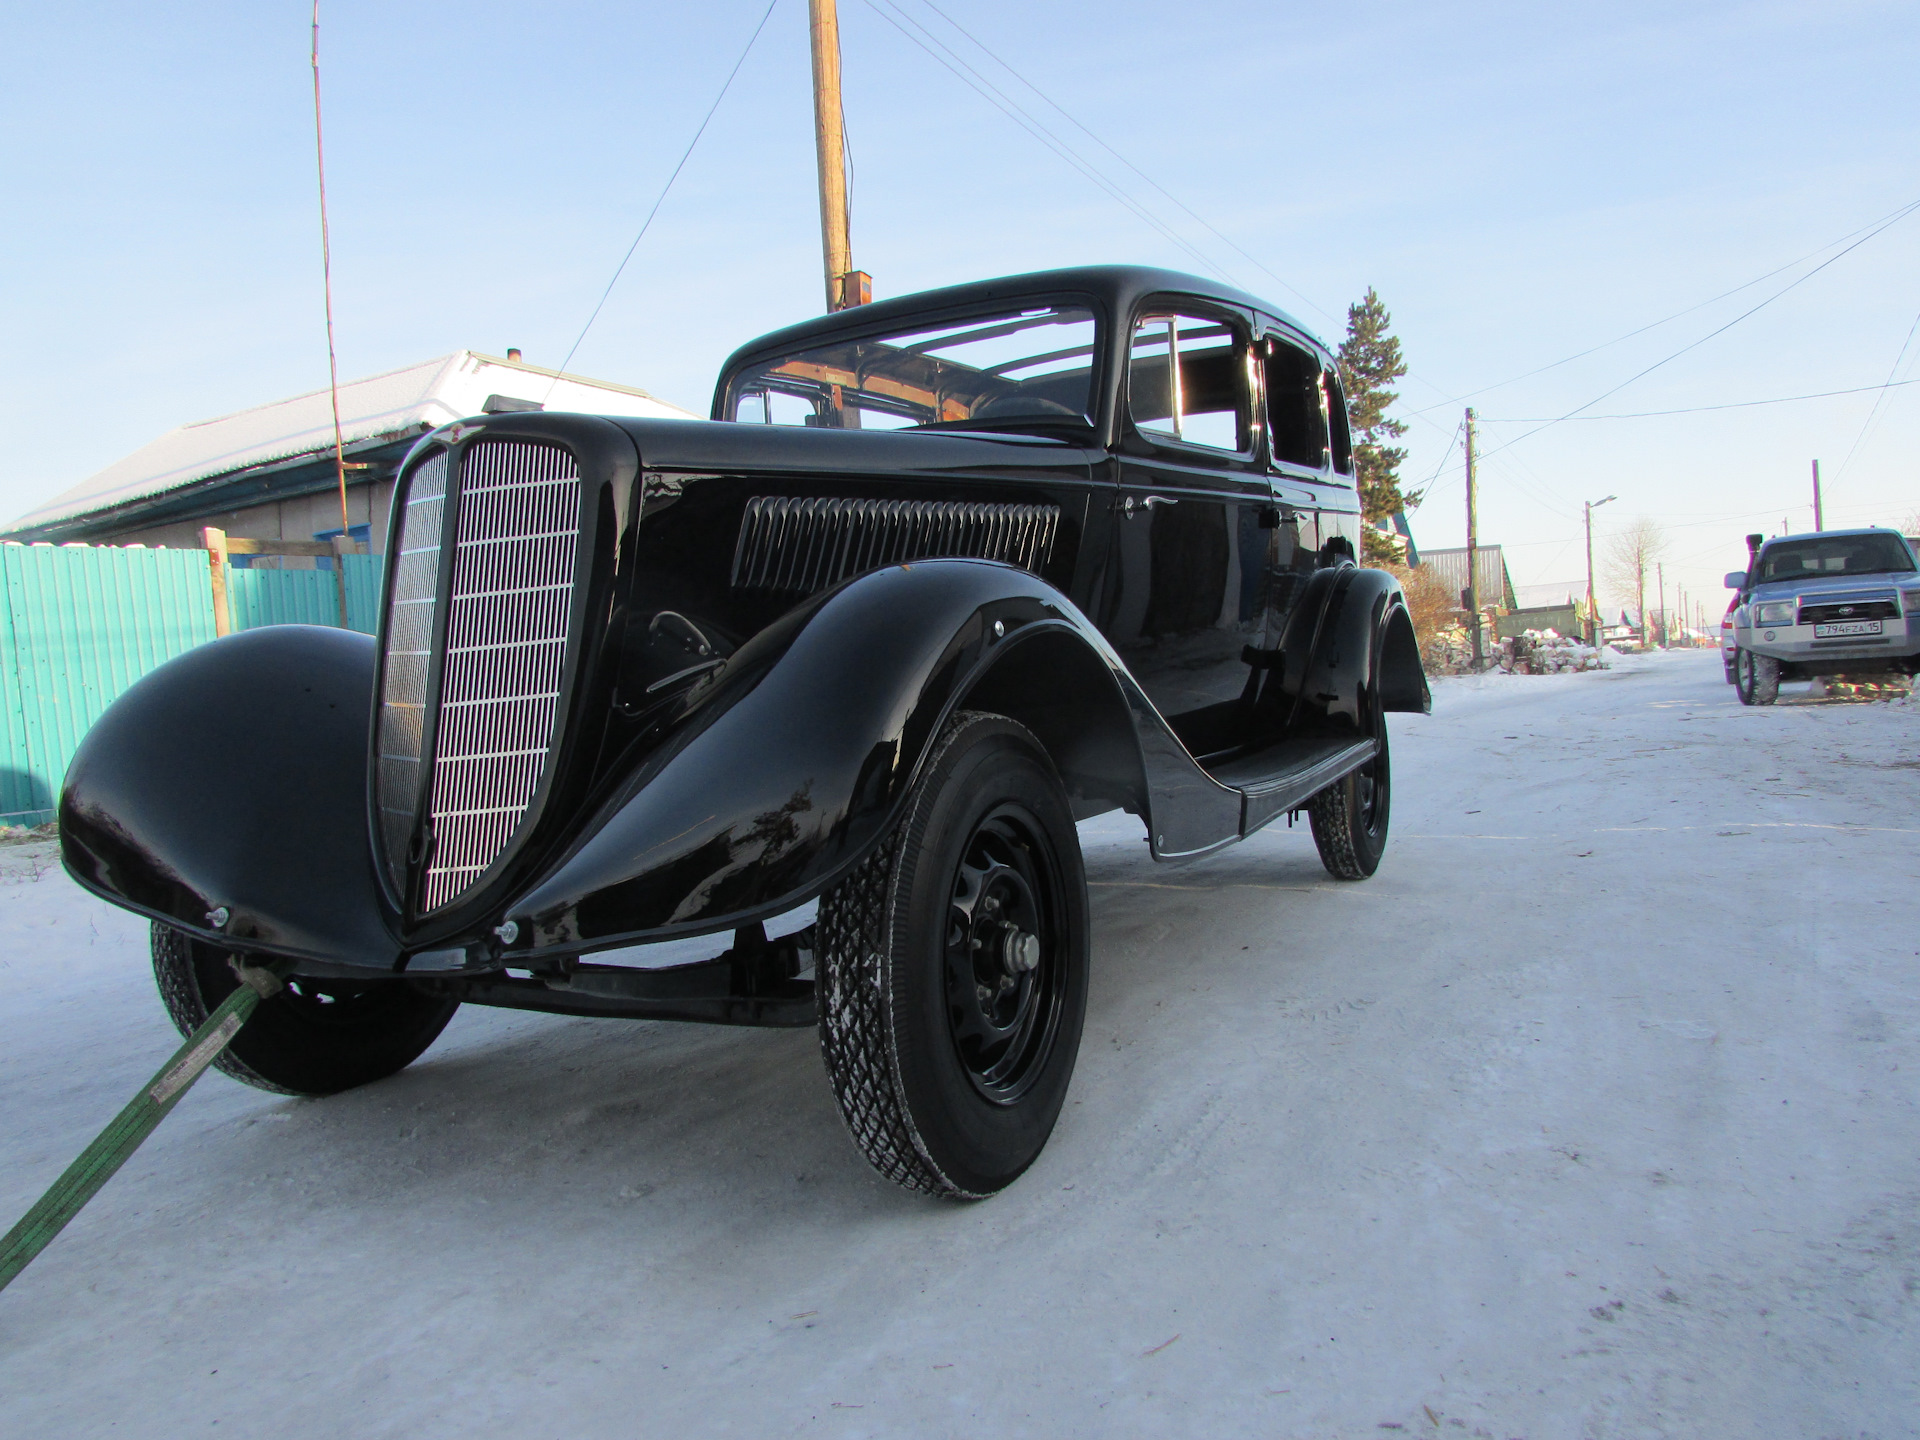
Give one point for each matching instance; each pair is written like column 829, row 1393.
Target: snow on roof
column 1554, row 592
column 380, row 407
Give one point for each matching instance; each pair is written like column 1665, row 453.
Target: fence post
column 216, row 543
column 342, row 547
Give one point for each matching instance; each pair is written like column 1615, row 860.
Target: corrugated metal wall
column 80, row 623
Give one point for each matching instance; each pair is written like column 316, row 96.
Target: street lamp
column 1593, row 617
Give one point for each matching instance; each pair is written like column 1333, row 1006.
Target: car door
column 1193, row 514
column 1299, row 455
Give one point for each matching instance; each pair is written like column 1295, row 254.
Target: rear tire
column 1350, row 817
column 953, row 968
column 316, row 1037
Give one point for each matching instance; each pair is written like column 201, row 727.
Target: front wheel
column 953, row 968
column 1350, row 817
column 316, row 1037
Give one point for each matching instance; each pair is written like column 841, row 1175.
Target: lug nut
column 1020, row 951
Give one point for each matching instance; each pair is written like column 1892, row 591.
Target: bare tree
column 1630, row 557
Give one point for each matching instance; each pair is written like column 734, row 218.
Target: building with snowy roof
column 1492, row 584
column 268, row 473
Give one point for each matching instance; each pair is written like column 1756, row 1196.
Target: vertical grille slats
column 807, row 545
column 513, row 533
column 517, row 528
column 409, row 662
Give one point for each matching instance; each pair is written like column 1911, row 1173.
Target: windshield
column 1029, row 366
column 1834, row 555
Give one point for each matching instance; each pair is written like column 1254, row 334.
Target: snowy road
column 1593, row 1114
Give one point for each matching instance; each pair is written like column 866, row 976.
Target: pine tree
column 1370, row 362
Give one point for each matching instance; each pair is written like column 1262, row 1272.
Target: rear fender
column 1349, row 650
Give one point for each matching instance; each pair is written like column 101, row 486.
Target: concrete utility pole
column 1816, row 497
column 1593, row 615
column 1660, row 571
column 1473, row 550
column 845, row 285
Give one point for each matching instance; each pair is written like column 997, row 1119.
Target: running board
column 1285, row 776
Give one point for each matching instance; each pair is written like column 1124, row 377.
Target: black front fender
column 234, row 778
column 798, row 764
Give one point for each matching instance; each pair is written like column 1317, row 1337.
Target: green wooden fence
column 80, row 623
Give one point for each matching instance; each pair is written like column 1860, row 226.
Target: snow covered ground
column 1593, row 1114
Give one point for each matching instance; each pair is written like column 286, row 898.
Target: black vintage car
column 832, row 675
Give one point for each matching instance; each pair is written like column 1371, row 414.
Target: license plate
column 1847, row 627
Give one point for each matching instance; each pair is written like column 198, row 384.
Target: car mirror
column 1736, row 579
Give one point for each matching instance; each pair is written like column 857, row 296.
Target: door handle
column 1129, row 504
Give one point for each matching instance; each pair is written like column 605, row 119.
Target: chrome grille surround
column 809, row 545
column 515, row 537
column 408, row 670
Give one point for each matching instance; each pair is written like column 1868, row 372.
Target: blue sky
column 1520, row 183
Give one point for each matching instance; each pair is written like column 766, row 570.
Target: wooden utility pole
column 1593, row 615
column 1816, row 497
column 1473, row 550
column 1660, row 571
column 845, row 285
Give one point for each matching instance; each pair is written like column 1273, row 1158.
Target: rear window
column 1834, row 555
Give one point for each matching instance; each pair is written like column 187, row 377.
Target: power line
column 1097, row 139
column 1731, row 405
column 1006, row 105
column 686, row 155
column 1678, row 314
column 1875, row 413
column 1898, row 216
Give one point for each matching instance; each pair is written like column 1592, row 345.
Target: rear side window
column 1296, row 417
column 1341, row 437
column 1187, row 381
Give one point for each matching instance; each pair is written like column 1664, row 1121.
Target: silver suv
column 1830, row 603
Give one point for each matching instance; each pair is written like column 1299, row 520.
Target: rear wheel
column 1350, row 817
column 316, row 1037
column 953, row 968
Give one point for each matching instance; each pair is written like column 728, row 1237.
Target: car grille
column 513, row 536
column 1830, row 611
column 409, row 663
column 807, row 545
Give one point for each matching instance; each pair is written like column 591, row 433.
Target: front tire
column 1743, row 676
column 1766, row 680
column 953, row 968
column 1350, row 817
column 316, row 1037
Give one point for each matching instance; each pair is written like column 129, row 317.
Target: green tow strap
column 119, row 1140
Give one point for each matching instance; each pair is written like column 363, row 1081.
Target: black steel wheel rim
column 1004, row 954
column 1370, row 796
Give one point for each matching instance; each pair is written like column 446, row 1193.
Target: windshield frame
column 953, row 318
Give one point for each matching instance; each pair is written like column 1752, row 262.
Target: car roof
column 1831, row 534
column 1119, row 286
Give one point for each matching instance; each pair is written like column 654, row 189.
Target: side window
column 1187, row 381
column 1296, row 421
column 1342, row 438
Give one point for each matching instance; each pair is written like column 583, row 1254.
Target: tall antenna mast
column 326, row 273
column 845, row 285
